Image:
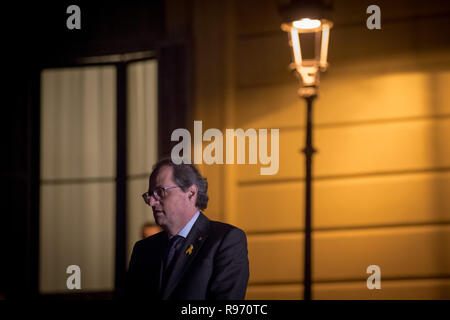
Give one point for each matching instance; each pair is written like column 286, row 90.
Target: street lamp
column 308, row 37
column 301, row 32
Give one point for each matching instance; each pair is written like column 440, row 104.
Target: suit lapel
column 187, row 253
column 163, row 248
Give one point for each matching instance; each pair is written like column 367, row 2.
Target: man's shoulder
column 228, row 237
column 153, row 240
column 222, row 228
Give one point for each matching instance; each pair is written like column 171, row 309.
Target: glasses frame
column 154, row 193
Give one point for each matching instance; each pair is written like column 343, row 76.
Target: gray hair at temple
column 184, row 176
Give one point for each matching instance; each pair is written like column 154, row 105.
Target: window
column 78, row 186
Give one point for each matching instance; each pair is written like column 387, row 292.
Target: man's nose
column 153, row 201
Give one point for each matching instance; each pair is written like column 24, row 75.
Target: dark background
column 36, row 37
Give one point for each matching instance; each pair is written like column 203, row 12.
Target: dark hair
column 184, row 176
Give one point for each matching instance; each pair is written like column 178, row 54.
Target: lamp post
column 311, row 36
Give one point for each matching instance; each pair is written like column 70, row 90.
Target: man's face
column 169, row 211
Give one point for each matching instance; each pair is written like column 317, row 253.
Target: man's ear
column 192, row 191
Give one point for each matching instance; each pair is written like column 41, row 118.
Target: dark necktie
column 173, row 246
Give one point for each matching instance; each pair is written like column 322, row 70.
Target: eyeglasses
column 158, row 193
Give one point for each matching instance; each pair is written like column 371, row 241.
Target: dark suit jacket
column 216, row 269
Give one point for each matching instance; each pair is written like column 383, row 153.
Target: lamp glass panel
column 307, row 44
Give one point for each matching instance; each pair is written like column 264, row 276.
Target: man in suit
column 193, row 258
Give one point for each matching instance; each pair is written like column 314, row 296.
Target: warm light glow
column 308, row 69
column 324, row 46
column 308, row 75
column 296, row 47
column 306, row 23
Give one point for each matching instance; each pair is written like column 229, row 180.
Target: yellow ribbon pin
column 189, row 250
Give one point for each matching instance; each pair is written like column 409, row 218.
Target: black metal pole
column 121, row 184
column 309, row 152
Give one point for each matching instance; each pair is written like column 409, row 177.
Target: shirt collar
column 187, row 228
